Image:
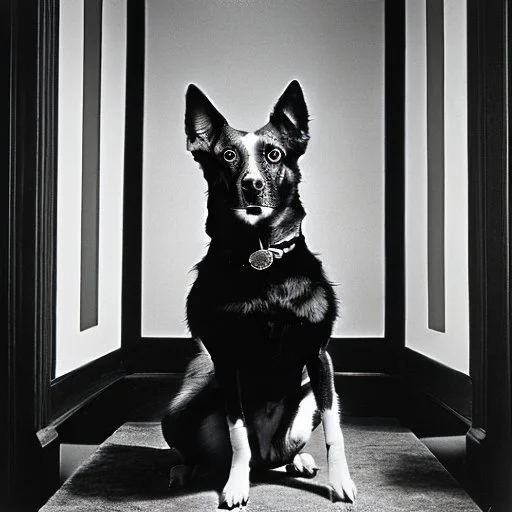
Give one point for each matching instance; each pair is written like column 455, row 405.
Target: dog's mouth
column 252, row 214
column 253, row 210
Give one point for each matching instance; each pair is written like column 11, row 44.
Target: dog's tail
column 199, row 376
column 193, row 402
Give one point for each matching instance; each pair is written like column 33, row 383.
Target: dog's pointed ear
column 203, row 122
column 290, row 112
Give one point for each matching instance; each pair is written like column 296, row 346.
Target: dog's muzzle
column 254, row 193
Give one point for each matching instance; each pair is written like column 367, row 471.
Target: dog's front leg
column 322, row 382
column 236, row 491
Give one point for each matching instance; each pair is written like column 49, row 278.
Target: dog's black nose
column 252, row 184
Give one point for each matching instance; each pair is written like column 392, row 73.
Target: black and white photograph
column 256, row 256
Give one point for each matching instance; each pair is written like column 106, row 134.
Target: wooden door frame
column 30, row 28
column 34, row 404
column 489, row 442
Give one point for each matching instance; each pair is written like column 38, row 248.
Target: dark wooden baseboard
column 368, row 394
column 129, row 383
column 436, row 398
column 162, row 355
column 145, row 397
column 75, row 389
column 428, row 397
column 436, row 404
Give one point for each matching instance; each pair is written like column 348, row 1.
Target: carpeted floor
column 392, row 469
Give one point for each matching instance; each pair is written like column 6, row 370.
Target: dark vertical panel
column 436, row 178
column 6, row 455
column 395, row 171
column 29, row 32
column 89, row 277
column 132, row 214
column 489, row 441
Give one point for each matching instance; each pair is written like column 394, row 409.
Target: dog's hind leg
column 194, row 425
column 299, row 417
column 303, row 465
column 306, row 420
column 322, row 382
column 205, row 445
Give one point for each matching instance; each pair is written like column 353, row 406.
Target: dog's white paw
column 303, row 465
column 342, row 486
column 236, row 491
column 180, row 475
column 343, row 490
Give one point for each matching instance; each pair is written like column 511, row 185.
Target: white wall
column 243, row 54
column 75, row 348
column 451, row 347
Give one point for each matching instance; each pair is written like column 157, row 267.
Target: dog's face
column 252, row 177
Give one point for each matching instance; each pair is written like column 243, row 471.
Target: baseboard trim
column 437, row 399
column 144, row 397
column 72, row 391
column 476, row 436
column 448, row 386
column 365, row 394
column 163, row 355
column 90, row 402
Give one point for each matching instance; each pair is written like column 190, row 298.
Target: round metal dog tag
column 262, row 259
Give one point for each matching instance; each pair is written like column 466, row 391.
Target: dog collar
column 263, row 258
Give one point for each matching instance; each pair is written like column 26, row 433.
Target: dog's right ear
column 203, row 122
column 290, row 116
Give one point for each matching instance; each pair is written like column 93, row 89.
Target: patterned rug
column 392, row 469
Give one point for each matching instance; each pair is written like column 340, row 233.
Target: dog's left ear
column 290, row 113
column 203, row 122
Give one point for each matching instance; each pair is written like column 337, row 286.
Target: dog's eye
column 229, row 155
column 274, row 155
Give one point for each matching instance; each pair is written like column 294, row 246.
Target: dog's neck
column 283, row 237
column 241, row 243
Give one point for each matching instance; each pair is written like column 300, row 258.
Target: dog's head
column 252, row 177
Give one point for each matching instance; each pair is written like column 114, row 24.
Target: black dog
column 261, row 308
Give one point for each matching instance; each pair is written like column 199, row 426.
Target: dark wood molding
column 6, row 421
column 448, row 386
column 73, row 390
column 145, row 397
column 490, row 440
column 32, row 70
column 364, row 394
column 46, row 214
column 136, row 397
column 361, row 355
column 162, row 355
column 394, row 120
column 437, row 400
column 132, row 215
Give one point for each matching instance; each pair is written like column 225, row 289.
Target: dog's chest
column 295, row 296
column 269, row 316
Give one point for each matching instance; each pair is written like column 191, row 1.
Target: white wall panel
column 452, row 347
column 243, row 54
column 75, row 348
